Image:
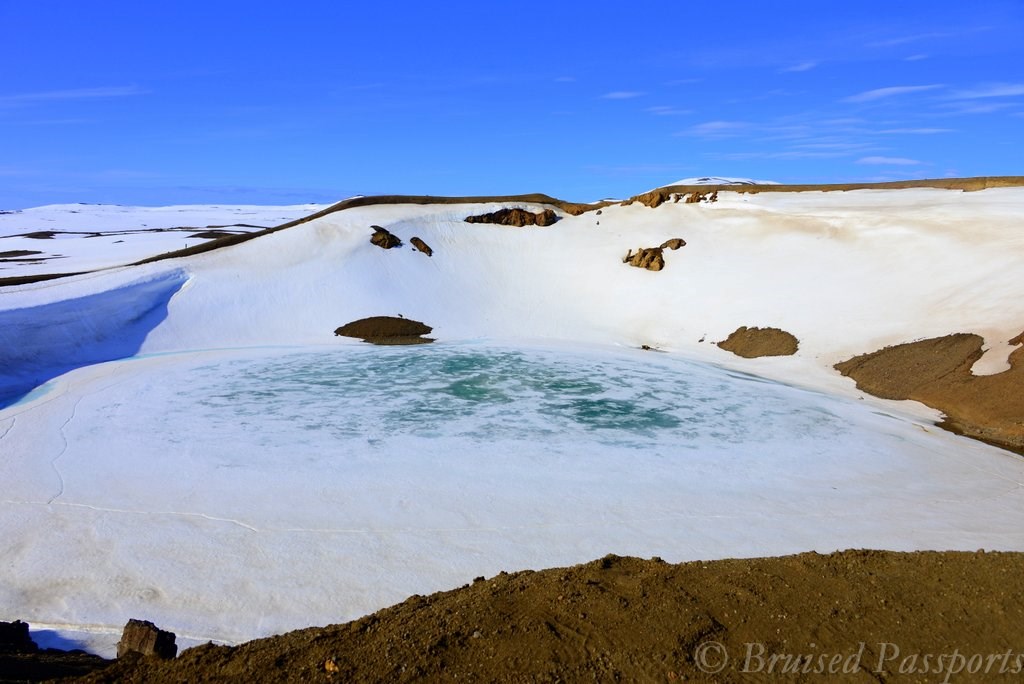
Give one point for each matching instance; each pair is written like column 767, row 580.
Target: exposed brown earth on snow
column 864, row 614
column 421, row 246
column 751, row 343
column 386, row 330
column 937, row 372
column 516, row 217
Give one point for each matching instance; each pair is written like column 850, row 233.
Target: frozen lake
column 230, row 494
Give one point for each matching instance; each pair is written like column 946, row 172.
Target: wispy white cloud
column 989, row 90
column 662, row 110
column 622, row 95
column 716, row 129
column 802, row 66
column 974, row 107
column 915, row 58
column 914, row 38
column 888, row 161
column 783, row 154
column 880, row 93
column 73, row 94
column 565, row 79
column 915, row 131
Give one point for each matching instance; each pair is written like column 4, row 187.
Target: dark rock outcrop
column 422, row 246
column 386, row 330
column 674, row 243
column 698, row 197
column 516, row 217
column 651, row 258
column 145, row 638
column 752, row 343
column 384, row 239
column 14, row 638
column 21, row 660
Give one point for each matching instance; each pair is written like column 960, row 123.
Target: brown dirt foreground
column 751, row 343
column 847, row 616
column 937, row 372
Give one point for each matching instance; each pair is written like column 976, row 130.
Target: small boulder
column 145, row 638
column 384, row 239
column 674, row 243
column 422, row 246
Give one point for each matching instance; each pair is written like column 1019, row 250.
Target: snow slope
column 249, row 472
column 91, row 236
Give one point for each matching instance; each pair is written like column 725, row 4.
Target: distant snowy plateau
column 186, row 441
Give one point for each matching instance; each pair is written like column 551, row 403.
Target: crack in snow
column 9, row 428
column 187, row 514
column 53, row 461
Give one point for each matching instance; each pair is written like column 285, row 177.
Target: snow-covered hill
column 69, row 238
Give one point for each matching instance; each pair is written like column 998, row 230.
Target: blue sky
column 249, row 102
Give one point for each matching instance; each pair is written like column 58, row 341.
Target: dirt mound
column 854, row 615
column 937, row 372
column 751, row 343
column 516, row 217
column 384, row 239
column 386, row 330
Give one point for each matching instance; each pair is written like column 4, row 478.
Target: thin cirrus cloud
column 990, row 90
column 915, row 131
column 802, row 66
column 664, row 110
column 716, row 129
column 622, row 95
column 888, row 161
column 72, row 94
column 892, row 91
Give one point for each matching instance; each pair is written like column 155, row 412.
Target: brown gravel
column 937, row 372
column 755, row 342
column 626, row 619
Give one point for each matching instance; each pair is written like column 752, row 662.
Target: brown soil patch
column 516, row 217
column 421, row 246
column 937, row 372
column 751, row 343
column 626, row 619
column 211, row 235
column 14, row 253
column 386, row 330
